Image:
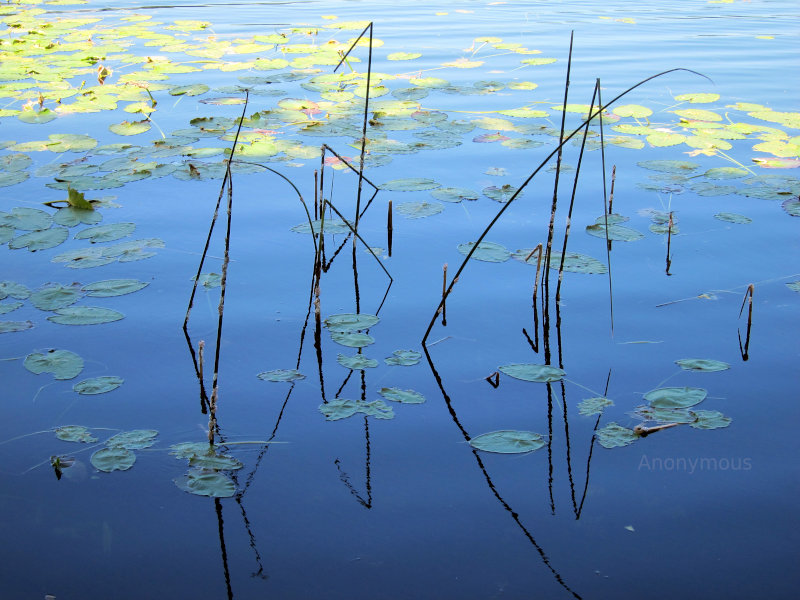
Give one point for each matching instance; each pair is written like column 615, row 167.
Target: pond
column 393, row 410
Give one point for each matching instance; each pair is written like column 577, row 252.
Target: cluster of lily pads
column 666, row 407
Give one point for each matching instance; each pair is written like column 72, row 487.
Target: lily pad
column 500, row 194
column 403, row 358
column 75, row 433
column 533, row 372
column 55, row 296
column 794, row 286
column 357, row 362
column 486, row 252
column 619, row 233
column 8, row 307
column 70, row 216
column 40, row 240
column 664, row 415
column 27, row 219
column 113, row 459
column 202, row 482
column 615, row 436
column 349, row 322
column 675, row 397
column 702, row 364
column 329, row 226
column 106, row 233
column 85, row 315
column 411, row 184
column 63, row 364
column 733, row 218
column 454, row 194
column 14, row 326
column 709, row 419
column 402, row 396
column 98, row 385
column 669, row 166
column 792, row 207
column 508, row 442
column 419, row 210
column 352, row 339
column 340, row 408
column 113, row 287
column 573, row 262
column 133, row 440
column 281, row 375
column 593, row 406
column 14, row 290
column 129, row 128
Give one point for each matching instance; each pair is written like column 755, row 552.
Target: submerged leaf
column 202, row 482
column 486, row 252
column 419, row 210
column 533, row 372
column 85, row 315
column 508, row 442
column 593, row 406
column 411, row 184
column 358, row 362
column 709, row 419
column 74, row 433
column 350, row 322
column 114, row 287
column 341, row 409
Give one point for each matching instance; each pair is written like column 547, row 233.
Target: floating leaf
column 352, row 340
column 733, row 218
column 210, row 280
column 792, row 207
column 403, row 55
column 404, row 358
column 615, row 232
column 32, row 116
column 358, row 362
column 486, row 252
column 63, row 364
column 664, row 415
column 698, row 114
column 114, row 287
column 533, row 372
column 794, row 286
column 98, row 385
column 281, row 375
column 662, row 139
column 500, row 194
column 133, row 440
column 40, row 240
column 8, row 307
column 419, row 210
column 454, row 194
column 341, row 409
column 14, row 290
column 206, row 483
column 349, row 322
column 217, row 462
column 106, row 233
column 55, row 296
column 70, row 216
column 85, row 315
column 675, row 397
column 410, row 184
column 593, row 406
column 27, row 219
column 402, row 396
column 726, row 173
column 669, row 166
column 128, row 128
column 190, row 90
column 702, row 364
column 74, row 433
column 615, row 436
column 538, row 61
column 508, row 442
column 709, row 419
column 632, row 110
column 329, row 226
column 697, row 98
column 113, row 459
column 573, row 262
column 14, row 326
column 189, row 449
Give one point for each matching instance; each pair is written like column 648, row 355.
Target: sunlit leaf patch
column 419, row 210
column 508, row 442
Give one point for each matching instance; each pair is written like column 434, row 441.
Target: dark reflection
column 223, row 551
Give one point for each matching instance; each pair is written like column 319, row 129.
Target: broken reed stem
column 669, row 242
column 389, row 228
column 444, row 293
column 643, row 431
column 611, row 193
column 748, row 297
column 494, row 380
column 536, row 250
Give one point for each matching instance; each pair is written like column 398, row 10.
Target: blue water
column 404, row 508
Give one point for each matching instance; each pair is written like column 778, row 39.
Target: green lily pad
column 403, row 55
column 697, row 98
column 662, row 139
column 63, row 364
column 114, row 287
column 8, row 307
column 675, row 397
column 329, row 226
column 113, row 459
column 698, row 114
column 615, row 436
column 349, row 322
column 733, row 218
column 217, row 462
column 98, row 385
column 36, row 117
column 12, row 178
column 419, row 210
column 411, row 184
column 27, row 219
column 792, row 207
column 133, row 440
column 358, row 362
column 669, row 166
column 500, row 194
column 593, row 406
column 702, row 364
column 726, row 173
column 352, row 339
column 538, row 61
column 709, row 419
column 632, row 110
column 454, row 194
column 14, row 290
column 106, row 233
column 189, row 449
column 40, row 240
column 281, row 375
column 533, row 372
column 14, row 326
column 195, row 89
column 573, row 262
column 70, row 216
column 55, row 296
column 130, row 128
column 85, row 315
column 486, row 252
column 403, row 358
column 619, row 233
column 341, row 409
column 202, row 482
column 508, row 442
column 75, row 433
column 402, row 396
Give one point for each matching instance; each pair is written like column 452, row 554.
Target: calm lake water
column 405, row 507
